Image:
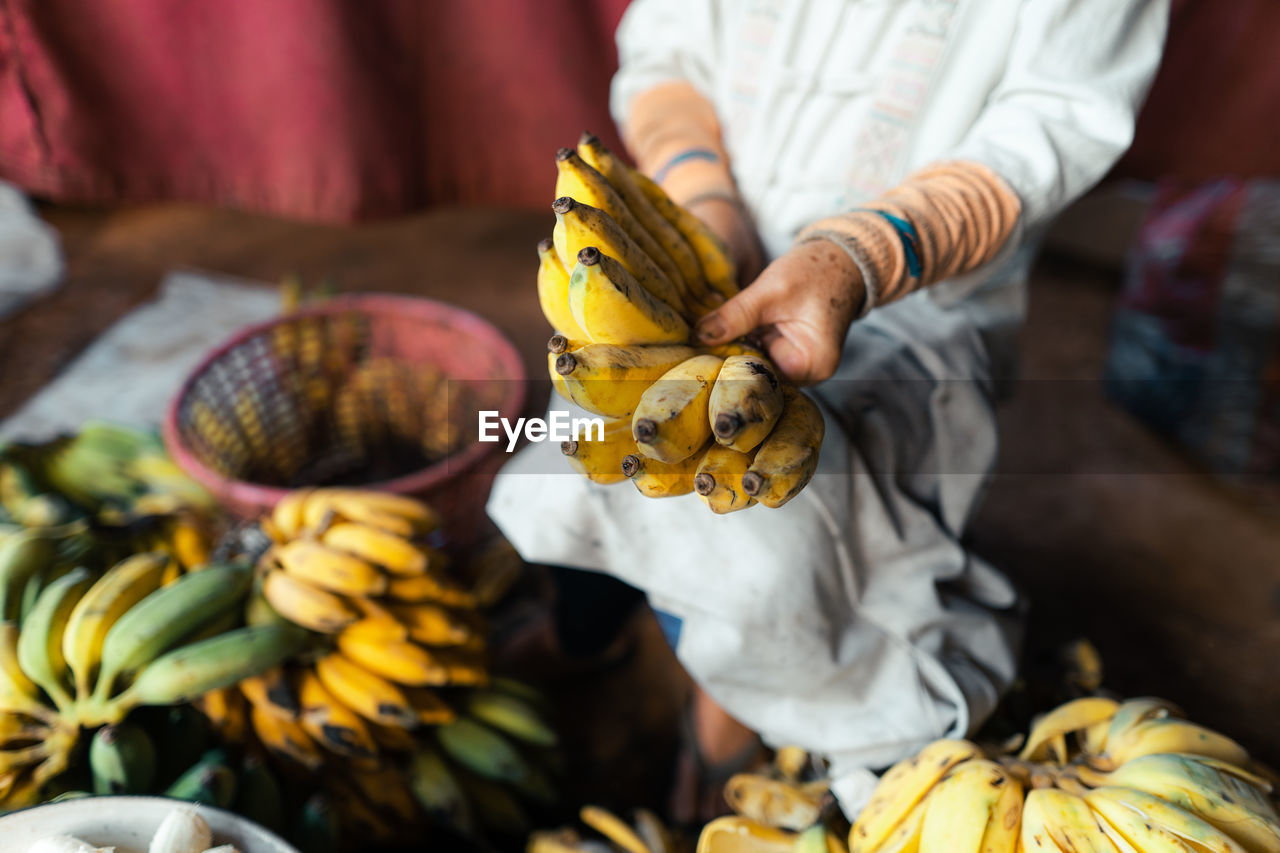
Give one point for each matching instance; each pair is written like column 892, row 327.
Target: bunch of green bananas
column 625, row 275
column 91, row 650
column 1094, row 775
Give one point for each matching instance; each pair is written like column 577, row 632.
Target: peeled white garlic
column 225, row 848
column 66, row 844
column 183, row 831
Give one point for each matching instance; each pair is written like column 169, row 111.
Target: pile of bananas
column 91, row 650
column 394, row 698
column 623, row 279
column 645, row 834
column 1094, row 775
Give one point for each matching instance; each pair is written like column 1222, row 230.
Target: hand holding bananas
column 623, row 278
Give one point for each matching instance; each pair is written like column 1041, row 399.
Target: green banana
column 191, row 671
column 155, row 624
column 122, row 759
column 258, row 795
column 209, row 782
column 436, row 789
column 40, row 642
column 511, row 715
column 496, row 809
column 22, row 555
column 483, row 751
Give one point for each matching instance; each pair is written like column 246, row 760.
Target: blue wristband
column 907, row 234
column 683, row 157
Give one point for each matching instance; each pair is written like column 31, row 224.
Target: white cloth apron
column 851, row 621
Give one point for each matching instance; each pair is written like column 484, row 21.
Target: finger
column 737, row 317
column 791, row 360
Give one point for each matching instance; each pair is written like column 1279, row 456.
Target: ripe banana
column 1121, row 807
column 430, row 708
column 285, row 738
column 613, row 827
column 773, row 802
column 657, row 479
column 122, row 759
column 40, row 642
column 226, row 711
column 963, row 808
column 411, row 590
column 1053, row 818
column 330, row 569
column 902, row 787
column 164, row 617
column 483, row 751
column 745, row 402
column 612, row 308
column 1072, row 716
column 609, row 380
column 580, row 225
column 331, row 723
column 553, row 292
column 577, row 180
column 511, row 715
column 188, row 672
column 384, row 788
column 432, row 625
column 601, row 460
column 306, row 604
column 402, row 662
column 287, row 518
column 123, row 586
column 713, row 256
column 718, row 480
column 670, row 420
column 1134, row 711
column 271, row 691
column 785, row 461
column 595, row 154
column 396, row 514
column 393, row 553
column 372, row 697
column 1173, row 735
column 734, row 833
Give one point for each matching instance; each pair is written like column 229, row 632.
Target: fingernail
column 710, row 329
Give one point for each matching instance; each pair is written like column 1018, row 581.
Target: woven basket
column 375, row 391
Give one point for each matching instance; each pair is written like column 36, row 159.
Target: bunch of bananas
column 1094, row 774
column 645, row 834
column 623, row 279
column 91, row 650
column 398, row 693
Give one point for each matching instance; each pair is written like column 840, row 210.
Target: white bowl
column 128, row 823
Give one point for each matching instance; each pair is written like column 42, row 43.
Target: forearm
column 945, row 220
column 674, row 136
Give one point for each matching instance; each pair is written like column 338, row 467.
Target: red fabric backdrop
column 340, row 109
column 328, row 109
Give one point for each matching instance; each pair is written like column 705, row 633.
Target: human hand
column 802, row 304
column 729, row 220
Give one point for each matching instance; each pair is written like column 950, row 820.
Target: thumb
column 735, row 318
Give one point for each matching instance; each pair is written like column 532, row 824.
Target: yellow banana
column 227, row 712
column 614, row 828
column 287, row 516
column 397, row 514
column 553, row 292
column 331, row 723
column 331, row 569
column 40, row 641
column 713, row 257
column 398, row 556
column 399, row 661
column 737, row 834
column 612, row 308
column 465, row 668
column 594, row 152
column 1134, row 711
column 609, row 380
column 123, row 586
column 670, row 420
column 371, row 696
column 387, row 790
column 1136, row 815
column 285, row 738
column 1050, row 816
column 718, row 480
column 272, row 692
column 432, row 625
column 745, row 402
column 1004, row 826
column 577, row 180
column 785, row 461
column 305, row 604
column 580, row 225
column 412, row 590
column 430, row 708
column 188, row 543
column 962, row 808
column 601, row 460
column 772, row 802
column 1070, row 717
column 902, row 787
column 557, row 381
column 657, row 479
column 558, row 343
column 1172, row 735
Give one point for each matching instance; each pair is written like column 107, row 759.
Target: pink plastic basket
column 264, row 412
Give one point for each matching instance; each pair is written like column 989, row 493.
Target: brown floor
column 1176, row 579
